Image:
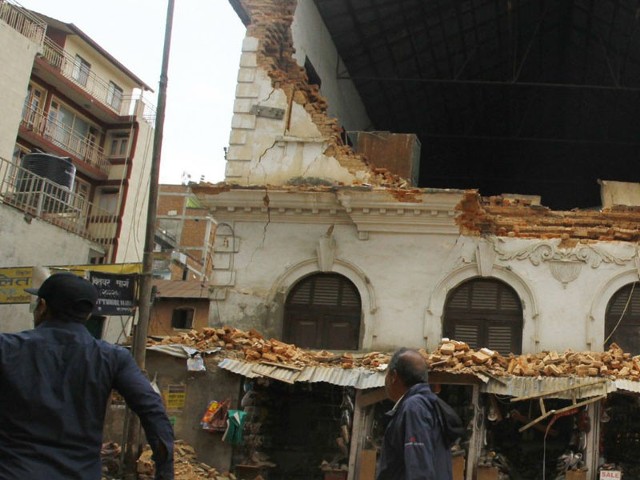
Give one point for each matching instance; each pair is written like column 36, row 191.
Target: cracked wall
column 283, row 128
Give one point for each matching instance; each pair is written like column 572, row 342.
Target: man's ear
column 40, row 311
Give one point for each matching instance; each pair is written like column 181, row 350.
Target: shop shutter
column 484, row 313
column 622, row 319
column 323, row 311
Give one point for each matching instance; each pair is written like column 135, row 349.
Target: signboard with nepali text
column 13, row 281
column 116, row 293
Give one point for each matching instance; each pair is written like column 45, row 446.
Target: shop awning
column 360, row 378
column 588, row 386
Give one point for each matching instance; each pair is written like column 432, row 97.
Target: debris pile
column 455, row 356
column 186, row 464
column 252, row 346
column 451, row 356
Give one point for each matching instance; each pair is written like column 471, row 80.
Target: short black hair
column 410, row 365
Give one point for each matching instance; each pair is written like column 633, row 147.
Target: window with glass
column 81, row 69
column 323, row 310
column 70, row 131
column 622, row 319
column 33, row 105
column 108, row 201
column 81, row 191
column 114, row 96
column 484, row 313
column 119, row 145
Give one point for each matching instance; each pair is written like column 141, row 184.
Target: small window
column 119, row 144
column 182, row 318
column 312, row 75
column 114, row 96
column 81, row 69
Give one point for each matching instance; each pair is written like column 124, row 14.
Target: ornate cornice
column 370, row 210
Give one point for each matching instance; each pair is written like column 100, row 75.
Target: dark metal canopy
column 508, row 96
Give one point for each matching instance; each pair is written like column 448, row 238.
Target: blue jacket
column 413, row 447
column 55, row 382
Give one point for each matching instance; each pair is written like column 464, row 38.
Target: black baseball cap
column 69, row 293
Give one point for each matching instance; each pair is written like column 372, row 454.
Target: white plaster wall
column 34, row 244
column 16, row 58
column 312, row 39
column 264, row 150
column 404, row 280
column 99, row 65
column 134, row 219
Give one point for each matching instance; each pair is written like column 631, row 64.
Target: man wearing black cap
column 55, row 382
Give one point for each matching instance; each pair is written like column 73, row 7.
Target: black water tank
column 59, row 170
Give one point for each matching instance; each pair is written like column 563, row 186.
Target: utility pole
column 138, row 350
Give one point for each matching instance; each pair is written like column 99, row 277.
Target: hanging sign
column 116, row 293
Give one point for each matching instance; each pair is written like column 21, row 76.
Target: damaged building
column 400, row 172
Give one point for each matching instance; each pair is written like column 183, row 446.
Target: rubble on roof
column 451, row 356
column 519, row 217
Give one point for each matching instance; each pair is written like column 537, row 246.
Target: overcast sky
column 203, row 66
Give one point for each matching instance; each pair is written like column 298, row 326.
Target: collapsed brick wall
column 270, row 22
column 518, row 218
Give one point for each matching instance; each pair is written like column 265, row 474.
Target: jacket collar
column 70, row 325
column 415, row 389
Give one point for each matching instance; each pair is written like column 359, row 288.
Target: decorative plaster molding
column 326, row 251
column 547, row 251
column 370, row 210
column 485, row 258
column 565, row 264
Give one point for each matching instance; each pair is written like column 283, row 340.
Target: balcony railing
column 95, row 85
column 42, row 198
column 62, row 136
column 15, row 15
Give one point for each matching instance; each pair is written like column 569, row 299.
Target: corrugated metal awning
column 360, row 378
column 583, row 387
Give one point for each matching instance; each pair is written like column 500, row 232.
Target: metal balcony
column 59, row 134
column 15, row 15
column 39, row 197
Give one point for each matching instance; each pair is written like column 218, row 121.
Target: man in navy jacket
column 414, row 447
column 55, row 382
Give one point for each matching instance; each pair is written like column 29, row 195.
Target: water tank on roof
column 58, row 170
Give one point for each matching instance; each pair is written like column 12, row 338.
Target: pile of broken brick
column 186, row 465
column 451, row 356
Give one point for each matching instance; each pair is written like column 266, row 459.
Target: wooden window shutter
column 622, row 319
column 484, row 313
column 323, row 311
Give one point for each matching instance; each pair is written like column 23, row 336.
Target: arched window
column 323, row 311
column 484, row 313
column 622, row 319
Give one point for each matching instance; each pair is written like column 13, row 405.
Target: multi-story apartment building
column 75, row 146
